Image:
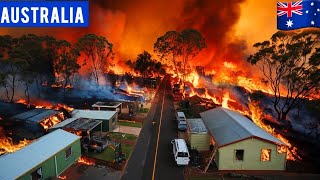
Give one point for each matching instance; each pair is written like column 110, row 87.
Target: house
column 39, row 119
column 197, row 135
column 108, row 106
column 239, row 144
column 45, row 158
column 108, row 118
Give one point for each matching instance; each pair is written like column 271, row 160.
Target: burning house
column 39, row 119
column 108, row 106
column 45, row 158
column 108, row 119
column 197, row 135
column 239, row 144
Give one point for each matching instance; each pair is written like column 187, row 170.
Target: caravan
column 180, row 152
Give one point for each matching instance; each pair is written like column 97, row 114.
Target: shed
column 80, row 126
column 39, row 118
column 108, row 118
column 242, row 145
column 108, row 106
column 197, row 135
column 45, row 158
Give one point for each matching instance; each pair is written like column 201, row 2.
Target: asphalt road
column 142, row 164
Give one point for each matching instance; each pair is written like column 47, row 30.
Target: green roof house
column 44, row 158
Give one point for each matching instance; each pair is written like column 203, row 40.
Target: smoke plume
column 134, row 26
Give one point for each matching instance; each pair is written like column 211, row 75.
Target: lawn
column 108, row 154
column 116, row 136
column 130, row 124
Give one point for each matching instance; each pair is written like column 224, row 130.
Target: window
column 68, row 152
column 265, row 154
column 239, row 154
column 37, row 174
column 183, row 154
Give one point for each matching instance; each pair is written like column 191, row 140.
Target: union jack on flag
column 300, row 14
column 289, row 8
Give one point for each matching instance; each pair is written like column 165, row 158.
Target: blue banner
column 44, row 13
column 299, row 14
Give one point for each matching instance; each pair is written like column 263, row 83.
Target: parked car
column 180, row 152
column 181, row 121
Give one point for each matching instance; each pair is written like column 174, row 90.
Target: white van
column 180, row 152
column 182, row 121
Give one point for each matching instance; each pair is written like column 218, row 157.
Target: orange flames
column 47, row 105
column 253, row 110
column 85, row 161
column 265, row 154
column 49, row 122
column 62, row 177
column 8, row 146
column 257, row 115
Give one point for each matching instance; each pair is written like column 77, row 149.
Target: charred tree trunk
column 26, row 92
column 13, row 88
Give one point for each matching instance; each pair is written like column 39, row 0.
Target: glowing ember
column 62, row 177
column 85, row 161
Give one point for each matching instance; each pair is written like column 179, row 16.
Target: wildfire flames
column 8, row 146
column 252, row 110
column 85, row 161
column 46, row 105
column 49, row 122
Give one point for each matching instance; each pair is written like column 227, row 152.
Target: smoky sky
column 134, row 26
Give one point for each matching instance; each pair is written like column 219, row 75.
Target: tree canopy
column 98, row 52
column 290, row 63
column 147, row 66
column 179, row 48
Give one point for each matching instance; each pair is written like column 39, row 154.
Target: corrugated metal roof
column 196, row 126
column 64, row 123
column 18, row 163
column 107, row 104
column 227, row 126
column 93, row 114
column 35, row 115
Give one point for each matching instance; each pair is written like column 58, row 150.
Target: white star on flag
column 312, row 22
column 289, row 23
column 312, row 4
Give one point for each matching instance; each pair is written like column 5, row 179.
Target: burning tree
column 66, row 64
column 98, row 51
column 167, row 47
column 180, row 48
column 290, row 63
column 146, row 66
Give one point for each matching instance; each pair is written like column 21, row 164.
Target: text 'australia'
column 42, row 15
